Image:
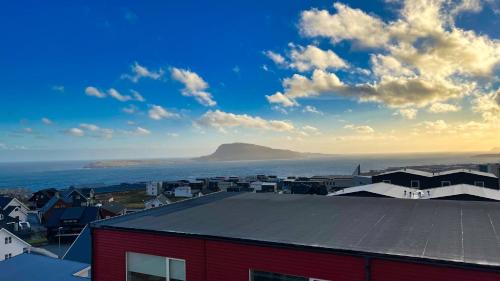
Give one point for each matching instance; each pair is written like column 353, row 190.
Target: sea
column 62, row 174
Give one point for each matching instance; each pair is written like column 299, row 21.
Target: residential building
column 41, row 197
column 13, row 208
column 158, row 201
column 30, row 267
column 67, row 223
column 153, row 188
column 302, row 238
column 112, row 209
column 11, row 245
column 425, row 180
column 183, row 191
column 224, row 185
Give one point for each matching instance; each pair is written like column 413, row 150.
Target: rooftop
column 434, row 174
column 449, row 231
column 29, row 267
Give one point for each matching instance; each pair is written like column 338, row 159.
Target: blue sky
column 209, row 73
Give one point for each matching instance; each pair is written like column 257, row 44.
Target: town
column 51, row 228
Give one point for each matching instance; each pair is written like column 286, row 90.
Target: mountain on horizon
column 248, row 151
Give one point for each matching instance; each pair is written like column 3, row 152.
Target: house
column 153, row 188
column 54, row 203
column 424, row 180
column 158, row 201
column 67, row 223
column 224, row 185
column 14, row 208
column 30, row 267
column 183, row 191
column 41, row 197
column 13, row 225
column 300, row 237
column 112, row 209
column 11, row 245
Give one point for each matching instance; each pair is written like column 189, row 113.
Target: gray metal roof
column 451, row 231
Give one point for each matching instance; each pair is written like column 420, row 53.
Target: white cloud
column 28, row 130
column 76, row 132
column 158, row 113
column 223, row 120
column 434, row 126
column 443, row 107
column 137, row 96
column 419, row 59
column 312, row 57
column 94, row 92
column 276, row 58
column 116, row 95
column 346, row 24
column 139, row 71
column 362, row 129
column 47, row 121
column 312, row 130
column 408, row 113
column 139, row 131
column 488, row 106
column 92, row 130
column 281, row 99
column 194, row 86
column 131, row 109
column 312, row 109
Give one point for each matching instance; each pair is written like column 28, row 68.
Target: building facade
column 11, row 245
column 300, row 238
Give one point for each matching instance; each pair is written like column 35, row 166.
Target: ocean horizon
column 62, row 174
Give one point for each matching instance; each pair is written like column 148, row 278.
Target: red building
column 262, row 237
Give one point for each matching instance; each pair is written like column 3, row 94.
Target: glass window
column 445, row 183
column 479, row 183
column 142, row 267
column 177, row 270
column 415, row 183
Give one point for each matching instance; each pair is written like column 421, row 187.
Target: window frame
column 442, row 183
column 167, row 264
column 476, row 183
column 417, row 181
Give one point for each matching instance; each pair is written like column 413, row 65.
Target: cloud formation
column 138, row 72
column 419, row 60
column 362, row 129
column 157, row 112
column 94, row 92
column 194, row 86
column 223, row 120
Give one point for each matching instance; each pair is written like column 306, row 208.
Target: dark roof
column 449, row 231
column 84, row 215
column 4, row 200
column 113, row 207
column 81, row 249
column 29, row 267
column 51, row 203
column 9, row 209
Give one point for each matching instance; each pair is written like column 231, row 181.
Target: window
column 8, row 240
column 387, row 181
column 142, row 267
column 268, row 276
column 415, row 183
column 445, row 183
column 479, row 183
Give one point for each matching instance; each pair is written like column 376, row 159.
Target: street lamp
column 59, row 234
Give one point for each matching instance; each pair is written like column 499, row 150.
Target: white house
column 256, row 185
column 153, row 188
column 156, row 202
column 183, row 191
column 11, row 245
column 14, row 208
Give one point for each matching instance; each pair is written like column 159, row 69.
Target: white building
column 14, row 208
column 11, row 245
column 159, row 201
column 183, row 191
column 256, row 185
column 153, row 188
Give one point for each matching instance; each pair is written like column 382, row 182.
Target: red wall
column 224, row 261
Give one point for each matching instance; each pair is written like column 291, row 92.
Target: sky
column 156, row 79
